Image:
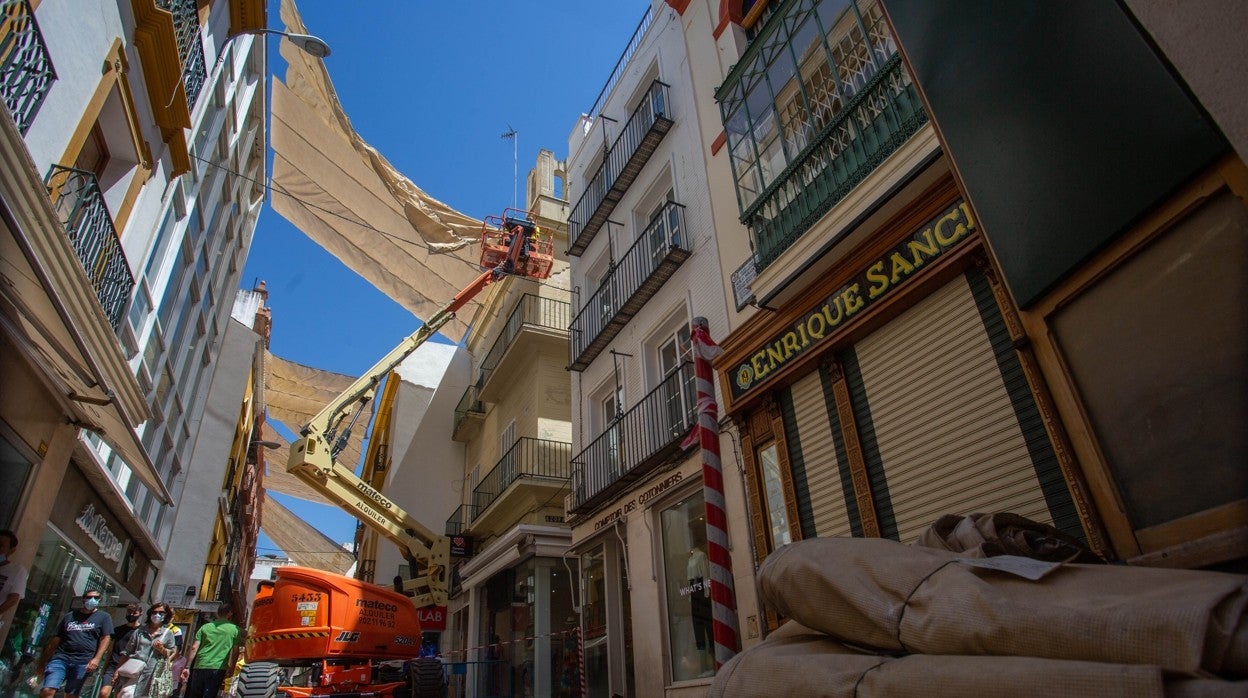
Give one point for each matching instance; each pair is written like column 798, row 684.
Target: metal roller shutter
column 947, row 431
column 825, row 494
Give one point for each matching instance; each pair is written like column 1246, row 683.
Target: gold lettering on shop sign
column 875, row 281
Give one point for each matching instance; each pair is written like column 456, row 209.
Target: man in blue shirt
column 77, row 649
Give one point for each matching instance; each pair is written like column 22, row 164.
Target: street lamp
column 311, row 45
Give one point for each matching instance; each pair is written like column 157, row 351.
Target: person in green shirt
column 206, row 662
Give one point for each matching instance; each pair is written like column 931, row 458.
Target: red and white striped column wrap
column 723, row 594
column 580, row 661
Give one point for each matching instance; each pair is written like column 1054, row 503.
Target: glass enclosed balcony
column 819, row 100
column 80, row 206
column 642, row 439
column 658, row 252
column 26, row 72
column 645, row 128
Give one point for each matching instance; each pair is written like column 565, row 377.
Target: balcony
column 645, row 128
column 458, row 521
column 26, row 71
column 535, row 322
column 645, row 437
column 879, row 118
column 80, row 206
column 469, row 415
column 190, row 48
column 659, row 251
column 532, row 471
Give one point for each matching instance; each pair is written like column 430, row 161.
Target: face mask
column 92, row 603
column 132, row 617
column 157, row 617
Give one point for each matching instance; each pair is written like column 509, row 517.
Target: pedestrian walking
column 209, row 654
column 77, row 649
column 120, row 638
column 154, row 645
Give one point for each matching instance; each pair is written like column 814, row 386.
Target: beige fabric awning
column 295, row 393
column 300, row 541
column 277, row 479
column 351, row 201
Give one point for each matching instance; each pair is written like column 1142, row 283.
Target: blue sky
column 432, row 86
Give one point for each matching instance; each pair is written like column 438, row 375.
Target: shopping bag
column 131, row 668
column 162, row 679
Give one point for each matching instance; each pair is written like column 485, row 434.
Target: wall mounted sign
column 888, row 273
column 96, row 528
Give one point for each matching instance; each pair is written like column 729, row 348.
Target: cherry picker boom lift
column 336, row 629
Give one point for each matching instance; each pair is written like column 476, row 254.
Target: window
column 507, row 439
column 15, row 467
column 773, row 493
column 603, row 588
column 594, row 615
column 611, row 408
column 798, row 84
column 679, row 388
column 662, row 230
column 687, row 586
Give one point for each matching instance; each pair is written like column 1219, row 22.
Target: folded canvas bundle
column 799, row 661
column 1004, row 533
column 885, row 596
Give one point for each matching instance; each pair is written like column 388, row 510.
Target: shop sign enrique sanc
column 877, row 280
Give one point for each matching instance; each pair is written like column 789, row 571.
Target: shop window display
column 687, row 583
column 594, row 610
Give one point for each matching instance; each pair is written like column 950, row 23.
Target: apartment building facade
column 645, row 263
column 510, row 612
column 122, row 253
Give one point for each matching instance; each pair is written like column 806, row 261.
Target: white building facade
column 644, row 263
column 122, row 249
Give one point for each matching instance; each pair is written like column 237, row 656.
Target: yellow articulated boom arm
column 314, row 456
column 313, row 460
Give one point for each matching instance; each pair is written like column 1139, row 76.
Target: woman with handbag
column 154, row 648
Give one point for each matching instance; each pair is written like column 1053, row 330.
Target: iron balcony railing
column 190, row 47
column 874, row 124
column 531, row 311
column 641, row 439
column 527, row 458
column 616, row 72
column 469, row 402
column 26, row 72
column 660, row 249
column 459, row 519
column 80, row 206
column 646, row 126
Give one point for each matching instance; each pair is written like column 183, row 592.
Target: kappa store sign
column 431, row 617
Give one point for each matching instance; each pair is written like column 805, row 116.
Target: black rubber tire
column 427, row 678
column 259, row 680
